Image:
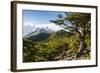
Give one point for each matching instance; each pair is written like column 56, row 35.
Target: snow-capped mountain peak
column 37, row 31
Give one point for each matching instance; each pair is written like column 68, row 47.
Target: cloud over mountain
column 29, row 27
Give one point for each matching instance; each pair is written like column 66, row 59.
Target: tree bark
column 81, row 44
column 81, row 48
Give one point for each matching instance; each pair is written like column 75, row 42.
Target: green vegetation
column 61, row 45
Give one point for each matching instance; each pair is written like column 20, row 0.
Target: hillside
column 43, row 36
column 50, row 46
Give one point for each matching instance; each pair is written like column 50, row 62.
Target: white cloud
column 50, row 26
column 29, row 27
column 28, row 24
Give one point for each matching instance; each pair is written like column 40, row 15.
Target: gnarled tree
column 76, row 23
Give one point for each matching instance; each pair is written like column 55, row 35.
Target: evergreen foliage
column 61, row 45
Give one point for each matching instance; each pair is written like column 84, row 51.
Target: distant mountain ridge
column 38, row 31
column 42, row 35
column 41, row 30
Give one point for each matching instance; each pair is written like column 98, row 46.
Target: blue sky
column 39, row 19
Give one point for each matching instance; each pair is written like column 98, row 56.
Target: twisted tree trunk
column 81, row 44
column 81, row 48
